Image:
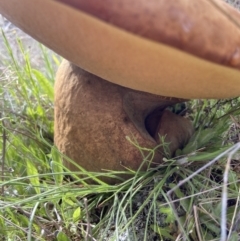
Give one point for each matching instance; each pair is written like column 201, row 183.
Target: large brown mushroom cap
column 195, row 27
column 185, row 49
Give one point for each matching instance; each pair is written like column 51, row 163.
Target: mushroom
column 147, row 49
column 99, row 124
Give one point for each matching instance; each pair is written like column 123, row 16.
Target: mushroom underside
column 94, row 117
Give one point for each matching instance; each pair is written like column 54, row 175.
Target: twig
column 197, row 222
column 203, row 210
column 88, row 230
column 224, row 199
column 30, row 224
column 50, row 207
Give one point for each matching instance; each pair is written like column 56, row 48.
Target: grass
column 38, row 202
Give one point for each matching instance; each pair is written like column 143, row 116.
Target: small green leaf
column 2, row 224
column 44, row 83
column 32, row 171
column 68, row 201
column 56, row 157
column 163, row 232
column 169, row 212
column 62, row 237
column 56, row 166
column 77, row 214
column 185, row 203
column 40, row 111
